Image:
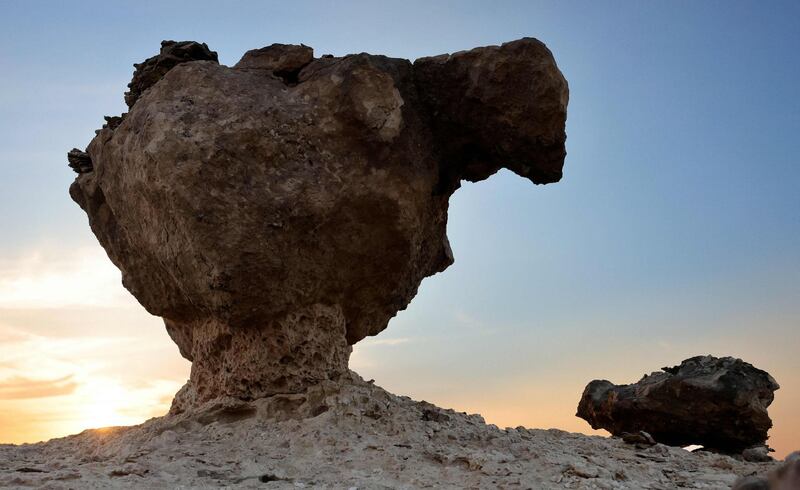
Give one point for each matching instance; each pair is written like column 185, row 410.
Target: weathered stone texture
column 287, row 207
column 719, row 403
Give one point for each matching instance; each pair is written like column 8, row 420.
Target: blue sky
column 675, row 231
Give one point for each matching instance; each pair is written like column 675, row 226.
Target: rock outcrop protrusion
column 276, row 212
column 719, row 403
column 172, row 54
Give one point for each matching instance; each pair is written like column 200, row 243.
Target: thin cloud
column 19, row 387
column 9, row 335
column 51, row 279
column 395, row 341
column 472, row 324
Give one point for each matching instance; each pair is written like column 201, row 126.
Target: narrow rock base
column 303, row 348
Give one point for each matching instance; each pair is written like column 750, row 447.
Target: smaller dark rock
column 79, row 161
column 640, row 438
column 112, row 122
column 719, row 403
column 757, row 454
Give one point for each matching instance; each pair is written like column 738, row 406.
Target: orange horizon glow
column 68, row 364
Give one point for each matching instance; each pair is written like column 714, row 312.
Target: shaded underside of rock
column 280, row 210
column 719, row 403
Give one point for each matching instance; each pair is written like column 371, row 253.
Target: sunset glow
column 674, row 232
column 76, row 349
column 77, row 363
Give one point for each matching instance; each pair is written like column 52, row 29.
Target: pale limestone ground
column 352, row 434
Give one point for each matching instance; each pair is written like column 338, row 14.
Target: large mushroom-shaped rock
column 719, row 403
column 279, row 211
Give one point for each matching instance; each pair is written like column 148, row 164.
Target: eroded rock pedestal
column 278, row 211
column 719, row 403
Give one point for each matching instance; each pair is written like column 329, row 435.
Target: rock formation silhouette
column 276, row 212
column 719, row 403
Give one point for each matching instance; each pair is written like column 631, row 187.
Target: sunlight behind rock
column 48, row 278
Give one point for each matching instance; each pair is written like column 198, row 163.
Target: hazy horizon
column 675, row 231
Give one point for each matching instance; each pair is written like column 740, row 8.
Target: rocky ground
column 353, row 434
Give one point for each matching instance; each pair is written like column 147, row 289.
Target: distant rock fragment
column 757, row 454
column 641, row 438
column 79, row 161
column 112, row 122
column 719, row 403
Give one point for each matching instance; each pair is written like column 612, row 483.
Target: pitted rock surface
column 276, row 212
column 719, row 403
